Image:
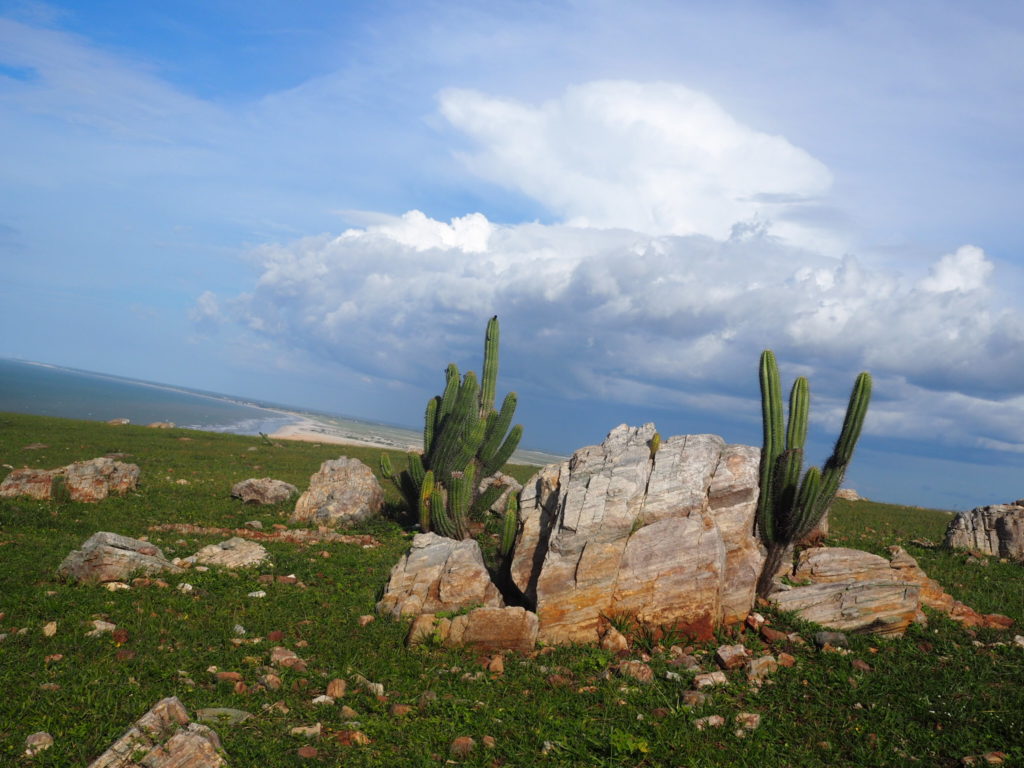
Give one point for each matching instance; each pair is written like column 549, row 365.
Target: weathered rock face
column 488, row 629
column 87, row 481
column 164, row 738
column 439, row 574
column 512, row 487
column 996, row 530
column 668, row 540
column 110, row 557
column 236, row 552
column 34, row 483
column 96, row 479
column 263, row 490
column 343, row 492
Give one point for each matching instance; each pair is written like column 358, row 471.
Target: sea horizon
column 49, row 389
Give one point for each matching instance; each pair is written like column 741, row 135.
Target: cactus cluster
column 789, row 507
column 465, row 440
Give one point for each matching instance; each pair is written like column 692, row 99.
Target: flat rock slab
column 875, row 607
column 236, row 552
column 485, row 629
column 106, row 556
column 164, row 737
column 436, row 575
column 86, row 481
column 263, row 490
column 996, row 530
column 344, row 492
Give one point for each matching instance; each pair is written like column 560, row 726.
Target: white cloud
column 657, row 158
column 964, row 271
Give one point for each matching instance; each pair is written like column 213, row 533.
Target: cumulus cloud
column 658, row 158
column 667, row 320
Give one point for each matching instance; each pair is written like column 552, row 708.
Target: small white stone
column 50, row 629
column 323, row 700
column 185, row 587
column 37, row 742
column 258, row 593
column 239, row 629
column 115, row 586
column 201, row 568
column 100, row 628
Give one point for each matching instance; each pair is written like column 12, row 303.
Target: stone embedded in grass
column 336, row 688
column 307, row 731
column 50, row 629
column 236, row 552
column 107, row 556
column 760, row 668
column 731, row 656
column 222, row 715
column 636, row 670
column 343, row 492
column 835, row 639
column 322, row 700
column 347, row 713
column 462, row 746
column 374, row 689
column 747, row 721
column 37, row 742
column 710, row 679
column 257, row 594
column 164, row 737
column 711, row 721
column 365, row 619
column 352, row 738
column 100, row 627
column 307, row 752
column 614, row 641
column 263, row 490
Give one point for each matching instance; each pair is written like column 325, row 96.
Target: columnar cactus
column 464, row 440
column 788, row 508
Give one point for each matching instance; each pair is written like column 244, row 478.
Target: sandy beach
column 311, row 431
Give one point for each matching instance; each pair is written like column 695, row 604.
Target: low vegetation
column 930, row 698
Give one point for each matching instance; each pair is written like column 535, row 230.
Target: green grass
column 930, row 698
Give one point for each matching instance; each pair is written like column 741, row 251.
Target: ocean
column 49, row 390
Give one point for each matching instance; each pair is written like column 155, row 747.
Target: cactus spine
column 789, row 507
column 464, row 440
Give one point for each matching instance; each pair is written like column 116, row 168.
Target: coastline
column 308, row 430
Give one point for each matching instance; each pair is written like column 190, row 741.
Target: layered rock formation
column 263, row 490
column 997, row 530
column 109, row 556
column 665, row 538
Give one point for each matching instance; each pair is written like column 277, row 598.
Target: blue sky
column 320, row 204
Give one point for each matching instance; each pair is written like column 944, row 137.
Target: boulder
column 848, row 494
column 87, row 481
column 439, row 574
column 164, row 737
column 263, row 490
column 96, row 479
column 236, row 552
column 34, row 483
column 484, row 629
column 995, row 530
column 108, row 556
column 667, row 539
column 343, row 492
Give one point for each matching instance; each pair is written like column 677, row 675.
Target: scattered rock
column 257, row 594
column 307, row 731
column 352, row 738
column 711, row 721
column 161, row 425
column 37, row 742
column 747, row 722
column 343, row 492
column 347, row 713
column 710, row 679
column 336, row 688
column 307, row 752
column 997, row 530
column 488, row 629
column 694, row 699
column 94, row 480
column 374, row 689
column 399, row 710
column 438, row 574
column 119, row 422
column 263, row 490
column 100, row 627
column 322, row 700
column 284, row 657
column 462, row 746
column 280, row 533
column 366, row 619
column 760, row 668
column 848, row 494
column 233, row 553
column 667, row 540
column 835, row 639
column 614, row 641
column 50, row 629
column 34, row 483
column 164, row 738
column 106, row 556
column 731, row 656
column 636, row 670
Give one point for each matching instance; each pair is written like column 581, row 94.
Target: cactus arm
column 386, row 470
column 497, row 425
column 799, row 404
column 439, row 514
column 486, row 499
column 771, row 417
column 655, row 444
column 489, row 374
column 457, row 426
column 426, row 494
column 805, row 513
column 505, row 452
column 430, row 423
column 509, row 526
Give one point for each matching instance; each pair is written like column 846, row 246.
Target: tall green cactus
column 788, row 508
column 464, row 441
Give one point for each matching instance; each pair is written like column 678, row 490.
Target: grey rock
column 234, row 553
column 995, row 530
column 263, row 490
column 86, row 481
column 875, row 607
column 344, row 492
column 106, row 556
column 835, row 639
column 222, row 715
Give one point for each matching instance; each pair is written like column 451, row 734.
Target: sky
column 320, row 204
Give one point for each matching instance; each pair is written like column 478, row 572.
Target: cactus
column 789, row 507
column 464, row 440
column 509, row 527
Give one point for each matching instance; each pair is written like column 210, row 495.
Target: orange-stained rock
column 86, row 481
column 438, row 574
column 877, row 607
column 667, row 539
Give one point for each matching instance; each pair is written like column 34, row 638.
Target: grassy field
column 929, row 699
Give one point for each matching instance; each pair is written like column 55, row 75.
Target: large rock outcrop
column 344, row 492
column 997, row 530
column 87, row 481
column 109, row 556
column 665, row 538
column 164, row 737
column 439, row 575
